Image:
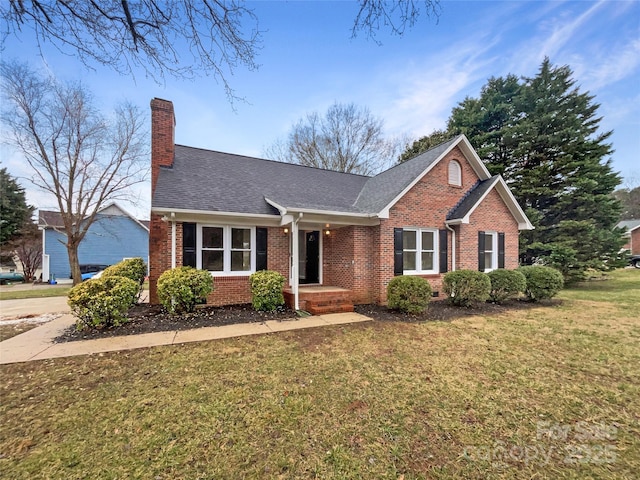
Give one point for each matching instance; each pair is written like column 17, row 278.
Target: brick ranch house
column 337, row 238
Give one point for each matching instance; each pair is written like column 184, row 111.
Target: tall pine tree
column 542, row 134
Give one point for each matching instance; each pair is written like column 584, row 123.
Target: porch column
column 295, row 258
column 173, row 244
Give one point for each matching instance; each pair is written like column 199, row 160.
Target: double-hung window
column 490, row 251
column 227, row 250
column 420, row 250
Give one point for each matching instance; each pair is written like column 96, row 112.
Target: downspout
column 173, row 240
column 453, row 247
column 295, row 258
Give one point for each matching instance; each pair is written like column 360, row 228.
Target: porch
column 320, row 299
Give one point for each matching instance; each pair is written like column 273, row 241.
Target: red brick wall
column 427, row 204
column 635, row 242
column 492, row 214
column 159, row 253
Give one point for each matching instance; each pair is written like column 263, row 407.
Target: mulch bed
column 146, row 318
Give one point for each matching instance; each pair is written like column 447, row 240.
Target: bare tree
column 80, row 157
column 27, row 246
column 217, row 36
column 181, row 38
column 347, row 139
column 397, row 16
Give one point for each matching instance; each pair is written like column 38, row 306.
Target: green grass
column 474, row 398
column 53, row 291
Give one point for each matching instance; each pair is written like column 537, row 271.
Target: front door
column 312, row 261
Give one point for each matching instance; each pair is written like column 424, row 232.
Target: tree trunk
column 74, row 263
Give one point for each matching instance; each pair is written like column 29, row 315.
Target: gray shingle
column 471, row 198
column 223, row 182
column 380, row 190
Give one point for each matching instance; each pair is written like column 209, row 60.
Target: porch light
column 327, row 232
column 286, row 231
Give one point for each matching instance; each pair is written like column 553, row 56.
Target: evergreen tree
column 542, row 134
column 14, row 211
column 425, row 143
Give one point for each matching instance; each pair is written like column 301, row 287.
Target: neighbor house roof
column 216, row 182
column 629, row 225
column 53, row 219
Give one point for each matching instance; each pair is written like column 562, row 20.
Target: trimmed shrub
column 467, row 288
column 102, row 302
column 181, row 289
column 542, row 282
column 266, row 290
column 132, row 268
column 506, row 284
column 408, row 294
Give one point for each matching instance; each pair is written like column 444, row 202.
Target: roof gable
column 385, row 189
column 461, row 213
column 630, row 225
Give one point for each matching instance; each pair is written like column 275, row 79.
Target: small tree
column 347, row 139
column 79, row 156
column 27, row 246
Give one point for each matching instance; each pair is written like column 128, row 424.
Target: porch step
column 319, row 308
column 321, row 299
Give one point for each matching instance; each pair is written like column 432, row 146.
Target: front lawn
column 548, row 392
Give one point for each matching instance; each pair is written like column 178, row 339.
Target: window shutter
column 501, row 250
column 444, row 252
column 189, row 245
column 481, row 238
column 397, row 252
column 261, row 249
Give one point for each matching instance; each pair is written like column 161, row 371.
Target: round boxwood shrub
column 542, row 282
column 467, row 288
column 102, row 302
column 181, row 289
column 506, row 284
column 266, row 290
column 132, row 268
column 408, row 294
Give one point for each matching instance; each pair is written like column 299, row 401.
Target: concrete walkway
column 37, row 344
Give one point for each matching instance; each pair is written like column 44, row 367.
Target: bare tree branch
column 76, row 154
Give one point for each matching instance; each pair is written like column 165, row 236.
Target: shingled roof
column 205, row 180
column 470, row 199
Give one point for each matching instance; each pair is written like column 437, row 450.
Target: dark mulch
column 146, row 318
column 443, row 311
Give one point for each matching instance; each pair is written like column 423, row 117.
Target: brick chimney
column 163, row 123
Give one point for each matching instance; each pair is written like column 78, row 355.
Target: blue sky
column 308, row 61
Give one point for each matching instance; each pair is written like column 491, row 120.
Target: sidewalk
column 37, row 344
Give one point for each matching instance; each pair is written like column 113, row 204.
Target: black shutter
column 501, row 250
column 398, row 260
column 189, row 245
column 261, row 249
column 481, row 238
column 444, row 249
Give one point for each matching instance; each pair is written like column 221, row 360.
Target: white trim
column 226, row 250
column 509, row 200
column 165, row 210
column 494, row 250
column 419, row 250
column 469, row 153
column 116, row 205
column 453, row 246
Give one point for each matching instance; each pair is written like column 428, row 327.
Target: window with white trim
column 455, row 173
column 490, row 251
column 420, row 250
column 226, row 250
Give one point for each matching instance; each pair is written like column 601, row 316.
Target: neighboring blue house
column 113, row 236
